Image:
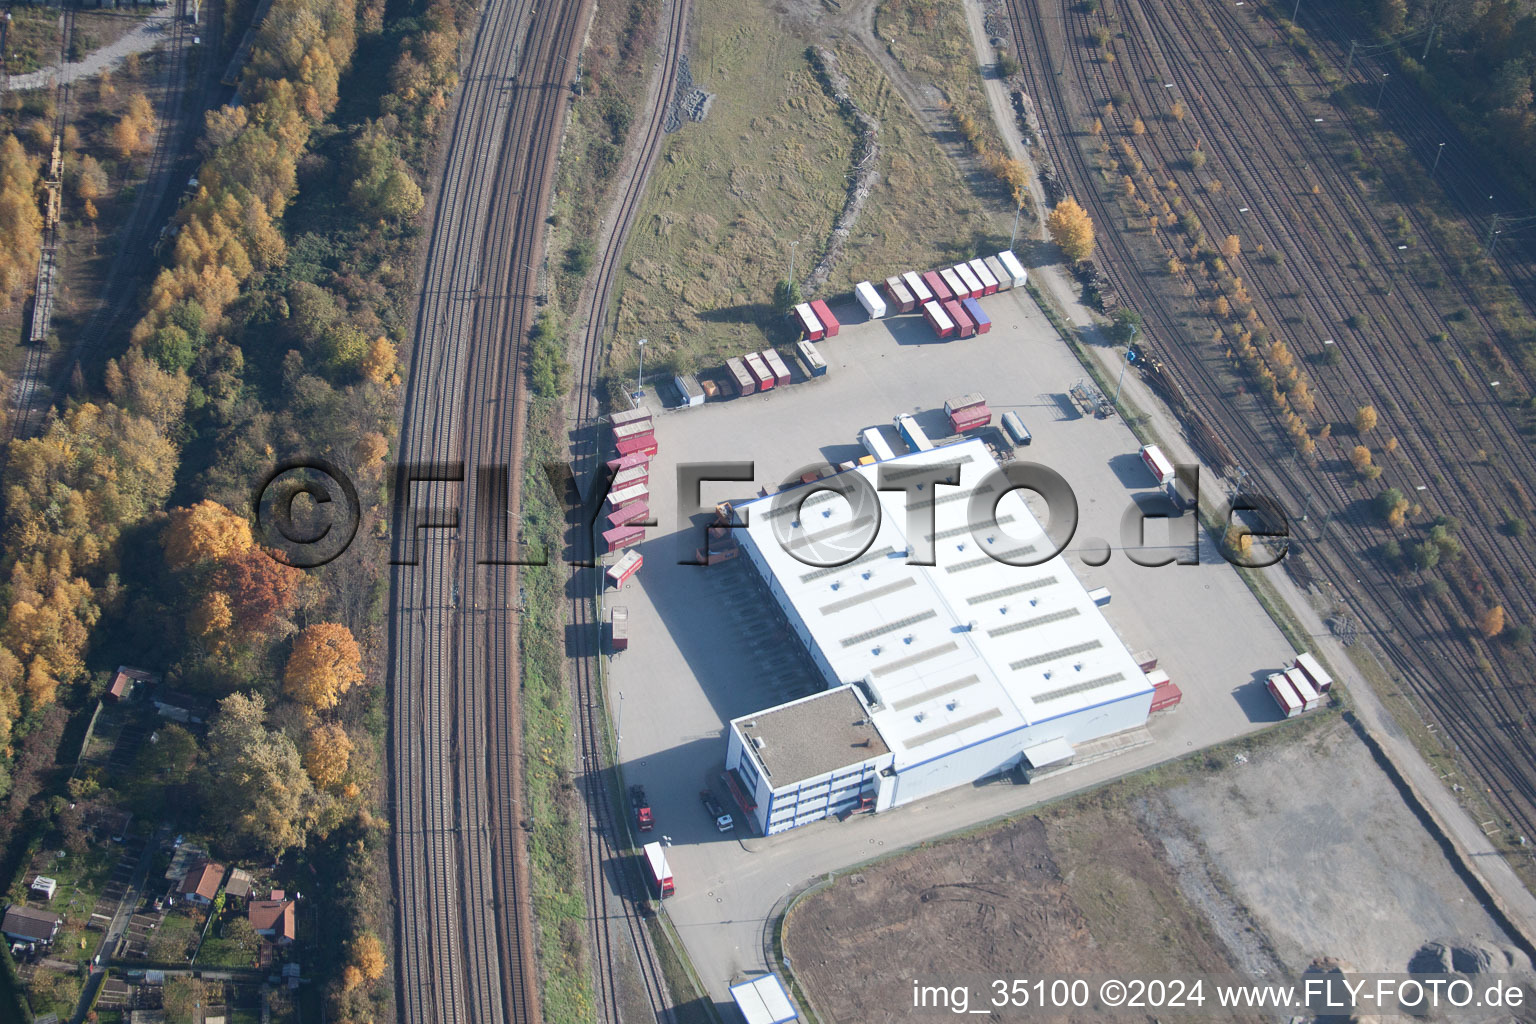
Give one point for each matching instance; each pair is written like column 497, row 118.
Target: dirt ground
column 1314, row 840
column 1080, row 893
column 1252, row 861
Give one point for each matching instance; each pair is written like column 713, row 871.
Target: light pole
column 640, row 373
column 1383, row 90
column 619, row 727
column 1015, row 235
column 1433, row 167
column 792, row 260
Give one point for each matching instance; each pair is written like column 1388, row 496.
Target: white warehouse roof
column 954, row 653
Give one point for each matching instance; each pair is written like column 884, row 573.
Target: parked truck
column 644, row 821
column 913, row 434
column 659, row 870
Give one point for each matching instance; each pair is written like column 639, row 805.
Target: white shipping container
column 936, row 316
column 953, row 282
column 972, row 283
column 1004, row 279
column 808, row 321
column 869, row 299
column 989, row 282
column 874, row 442
column 918, row 287
column 1011, row 264
column 1315, row 672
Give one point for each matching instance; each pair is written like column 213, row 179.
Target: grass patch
column 559, row 903
column 32, row 40
column 767, row 168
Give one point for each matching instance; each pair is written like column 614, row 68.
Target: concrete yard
column 706, row 645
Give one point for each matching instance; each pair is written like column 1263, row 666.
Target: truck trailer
column 900, row 295
column 1314, row 671
column 815, row 365
column 1157, row 464
column 939, row 320
column 1015, row 269
column 917, row 284
column 870, row 299
column 874, row 442
column 618, row 629
column 912, row 434
column 659, row 870
column 810, row 326
column 828, row 321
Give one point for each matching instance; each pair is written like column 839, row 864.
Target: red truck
column 643, row 819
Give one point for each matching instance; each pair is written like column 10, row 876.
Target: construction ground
column 1255, row 859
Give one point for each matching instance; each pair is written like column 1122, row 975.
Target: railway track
column 1216, row 75
column 464, row 921
column 169, row 158
column 615, row 892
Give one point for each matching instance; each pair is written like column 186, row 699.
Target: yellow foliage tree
column 327, row 751
column 326, row 662
column 1071, row 229
column 1138, row 127
column 379, row 363
column 1365, row 419
column 1231, row 246
column 368, row 956
column 206, row 532
column 1491, row 622
column 1360, row 457
column 21, row 221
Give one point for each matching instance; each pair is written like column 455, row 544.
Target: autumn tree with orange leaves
column 326, row 662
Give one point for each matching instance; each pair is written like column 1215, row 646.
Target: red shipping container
column 629, row 514
column 956, row 283
column 970, row 419
column 935, row 283
column 828, row 321
column 624, row 462
column 618, row 419
column 623, row 536
column 643, row 445
column 632, row 475
column 776, row 365
column 810, row 326
column 1165, row 697
column 964, row 325
column 759, row 371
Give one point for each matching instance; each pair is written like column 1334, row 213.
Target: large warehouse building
column 937, row 675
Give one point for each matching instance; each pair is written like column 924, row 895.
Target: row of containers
column 629, row 496
column 1301, row 687
column 947, row 297
column 759, row 371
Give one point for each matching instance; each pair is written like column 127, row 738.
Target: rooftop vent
column 953, row 704
column 919, row 716
column 759, row 742
column 907, row 639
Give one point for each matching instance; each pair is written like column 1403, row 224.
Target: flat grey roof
column 813, row 736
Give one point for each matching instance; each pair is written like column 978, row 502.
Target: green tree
column 256, row 782
column 786, row 296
